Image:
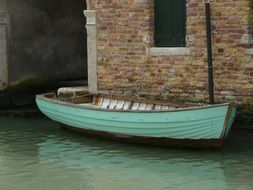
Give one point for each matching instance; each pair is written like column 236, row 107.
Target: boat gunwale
column 57, row 101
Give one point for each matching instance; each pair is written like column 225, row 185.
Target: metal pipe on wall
column 209, row 53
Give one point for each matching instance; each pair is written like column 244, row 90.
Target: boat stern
column 229, row 120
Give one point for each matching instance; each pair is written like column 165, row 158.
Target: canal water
column 36, row 155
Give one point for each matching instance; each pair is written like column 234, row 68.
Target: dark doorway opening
column 47, row 39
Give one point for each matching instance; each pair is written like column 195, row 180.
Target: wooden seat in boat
column 116, row 104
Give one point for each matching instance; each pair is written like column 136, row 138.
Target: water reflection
column 34, row 153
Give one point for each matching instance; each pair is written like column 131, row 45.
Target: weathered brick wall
column 124, row 67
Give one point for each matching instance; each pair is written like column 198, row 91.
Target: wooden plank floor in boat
column 115, row 104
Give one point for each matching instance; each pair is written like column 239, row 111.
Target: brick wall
column 125, row 32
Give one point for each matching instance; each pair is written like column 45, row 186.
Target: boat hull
column 154, row 141
column 197, row 128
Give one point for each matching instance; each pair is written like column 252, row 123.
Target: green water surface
column 36, row 155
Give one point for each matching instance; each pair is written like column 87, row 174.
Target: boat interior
column 112, row 102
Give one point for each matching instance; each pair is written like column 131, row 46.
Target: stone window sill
column 156, row 51
column 249, row 51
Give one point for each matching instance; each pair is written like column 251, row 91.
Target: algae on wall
column 22, row 92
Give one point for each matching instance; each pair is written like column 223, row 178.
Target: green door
column 170, row 23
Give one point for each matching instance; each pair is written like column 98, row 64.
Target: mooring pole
column 209, row 53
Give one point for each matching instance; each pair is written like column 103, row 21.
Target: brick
column 126, row 29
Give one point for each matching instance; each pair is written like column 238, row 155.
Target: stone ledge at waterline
column 244, row 119
column 245, row 115
column 19, row 102
column 22, row 93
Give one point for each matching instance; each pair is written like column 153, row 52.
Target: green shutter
column 170, row 22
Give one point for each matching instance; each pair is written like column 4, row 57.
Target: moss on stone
column 245, row 113
column 31, row 84
column 23, row 91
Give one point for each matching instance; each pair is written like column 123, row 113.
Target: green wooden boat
column 142, row 121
